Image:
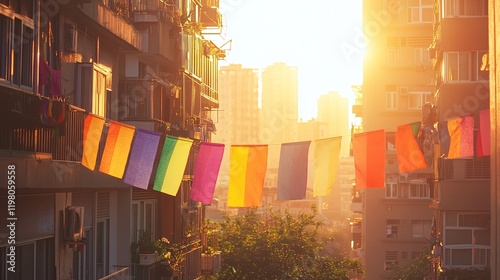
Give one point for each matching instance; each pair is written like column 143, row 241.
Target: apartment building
column 397, row 82
column 460, row 244
column 142, row 64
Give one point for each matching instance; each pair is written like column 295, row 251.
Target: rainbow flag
column 292, row 170
column 461, row 131
column 410, row 156
column 369, row 159
column 92, row 132
column 116, row 150
column 326, row 162
column 247, row 171
column 142, row 158
column 206, row 170
column 484, row 134
column 172, row 164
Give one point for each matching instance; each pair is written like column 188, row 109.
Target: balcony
column 113, row 22
column 211, row 19
column 29, row 130
column 147, row 104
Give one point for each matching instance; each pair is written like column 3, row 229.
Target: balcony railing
column 120, row 274
column 28, row 129
column 113, row 22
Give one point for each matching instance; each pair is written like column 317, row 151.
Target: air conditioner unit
column 70, row 35
column 73, row 228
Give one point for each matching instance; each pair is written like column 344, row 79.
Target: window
column 82, row 262
column 420, row 228
column 392, row 56
column 419, row 190
column 465, row 8
column 391, row 259
column 391, row 100
column 464, row 66
column 417, row 99
column 5, row 28
column 392, row 228
column 391, row 189
column 420, row 11
column 467, row 243
column 102, row 248
column 143, row 218
column 16, row 51
column 421, row 56
column 99, row 93
column 34, row 260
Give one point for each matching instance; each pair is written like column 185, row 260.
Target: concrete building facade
column 397, row 82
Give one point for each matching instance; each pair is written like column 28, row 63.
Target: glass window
column 5, row 30
column 465, row 66
column 392, row 228
column 143, row 218
column 391, row 100
column 420, row 11
column 419, row 190
column 420, row 228
column 465, row 8
column 391, row 259
column 391, row 190
column 421, row 56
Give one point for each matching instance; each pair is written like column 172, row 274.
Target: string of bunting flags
column 131, row 154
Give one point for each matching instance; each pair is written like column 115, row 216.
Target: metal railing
column 122, row 274
column 28, row 129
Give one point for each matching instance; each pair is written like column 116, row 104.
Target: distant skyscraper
column 238, row 118
column 280, row 97
column 333, row 114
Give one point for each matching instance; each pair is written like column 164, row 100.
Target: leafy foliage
column 278, row 246
column 418, row 269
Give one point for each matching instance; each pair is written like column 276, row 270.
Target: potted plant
column 170, row 254
column 144, row 251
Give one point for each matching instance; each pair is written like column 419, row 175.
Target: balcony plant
column 144, row 251
column 170, row 253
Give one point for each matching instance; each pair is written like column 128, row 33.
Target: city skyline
column 327, row 58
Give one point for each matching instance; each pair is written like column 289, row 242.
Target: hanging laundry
column 55, row 84
column 43, row 74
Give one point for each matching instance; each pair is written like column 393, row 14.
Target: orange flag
column 92, row 132
column 369, row 159
column 116, row 150
column 461, row 132
column 408, row 152
column 247, row 171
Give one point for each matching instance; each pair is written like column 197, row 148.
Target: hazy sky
column 321, row 37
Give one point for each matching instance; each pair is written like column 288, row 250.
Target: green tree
column 278, row 246
column 418, row 269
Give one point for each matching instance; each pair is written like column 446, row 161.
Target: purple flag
column 142, row 158
column 206, row 170
column 292, row 170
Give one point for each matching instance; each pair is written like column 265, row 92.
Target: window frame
column 139, row 222
column 393, row 226
column 424, row 228
column 424, row 97
column 418, row 11
column 422, row 191
column 452, row 8
column 392, row 98
column 17, row 67
column 391, row 190
column 473, row 66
